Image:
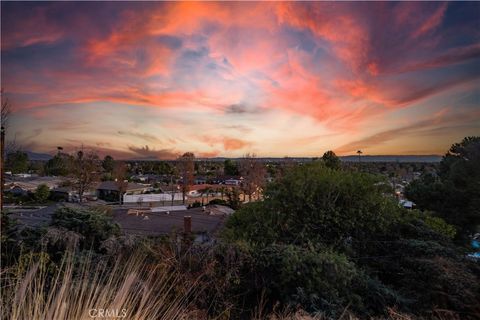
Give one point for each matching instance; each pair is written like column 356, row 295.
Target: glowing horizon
column 154, row 80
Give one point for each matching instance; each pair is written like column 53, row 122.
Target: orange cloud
column 234, row 144
column 229, row 144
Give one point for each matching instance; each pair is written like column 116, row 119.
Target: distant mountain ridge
column 35, row 156
column 354, row 158
column 393, row 158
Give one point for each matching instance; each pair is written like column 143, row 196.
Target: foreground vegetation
column 83, row 287
column 326, row 239
column 325, row 242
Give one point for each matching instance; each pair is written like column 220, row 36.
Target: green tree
column 162, row 167
column 313, row 202
column 108, row 164
column 454, row 194
column 230, row 168
column 331, row 160
column 59, row 165
column 42, row 193
column 17, row 162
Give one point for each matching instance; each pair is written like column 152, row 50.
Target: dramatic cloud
column 226, row 78
column 142, row 136
column 145, row 153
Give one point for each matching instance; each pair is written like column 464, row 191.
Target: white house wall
column 152, row 197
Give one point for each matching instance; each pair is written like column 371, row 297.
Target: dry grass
column 78, row 290
column 130, row 288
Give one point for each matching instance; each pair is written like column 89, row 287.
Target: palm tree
column 359, row 152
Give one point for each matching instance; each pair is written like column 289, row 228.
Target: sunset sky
column 152, row 80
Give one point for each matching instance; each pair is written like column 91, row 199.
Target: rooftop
column 160, row 223
column 114, row 185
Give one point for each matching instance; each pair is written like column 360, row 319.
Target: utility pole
column 2, row 165
column 171, row 187
column 5, row 112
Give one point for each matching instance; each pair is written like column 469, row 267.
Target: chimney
column 187, row 225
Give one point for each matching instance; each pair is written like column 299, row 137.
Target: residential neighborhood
column 161, row 199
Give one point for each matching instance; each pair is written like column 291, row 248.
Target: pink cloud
column 340, row 64
column 432, row 22
column 34, row 28
column 345, row 32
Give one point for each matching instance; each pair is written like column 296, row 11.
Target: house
column 168, row 209
column 200, row 180
column 218, row 210
column 152, row 197
column 30, row 184
column 110, row 190
column 22, row 175
column 198, row 190
column 22, row 187
column 166, row 220
column 17, row 190
column 140, row 177
column 65, row 193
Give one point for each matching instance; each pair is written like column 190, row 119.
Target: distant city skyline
column 155, row 80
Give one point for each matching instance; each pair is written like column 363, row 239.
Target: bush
column 93, row 224
column 219, row 202
column 439, row 225
column 416, row 263
column 318, row 280
column 196, row 204
column 42, row 193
